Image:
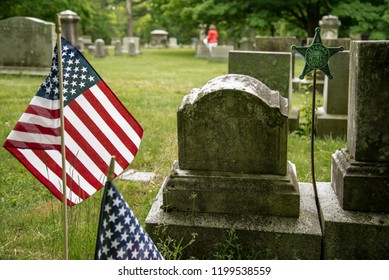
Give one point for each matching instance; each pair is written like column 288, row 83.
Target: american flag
column 97, row 127
column 120, row 235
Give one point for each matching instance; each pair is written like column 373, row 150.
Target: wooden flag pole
column 111, row 169
column 62, row 122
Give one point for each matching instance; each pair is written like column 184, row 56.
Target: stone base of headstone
column 293, row 119
column 360, row 186
column 330, row 124
column 350, row 235
column 227, row 192
column 262, row 237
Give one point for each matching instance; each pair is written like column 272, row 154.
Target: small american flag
column 120, row 235
column 97, row 127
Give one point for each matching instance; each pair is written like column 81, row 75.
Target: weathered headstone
column 232, row 171
column 159, row 38
column 202, row 51
column 26, row 45
column 356, row 209
column 329, row 26
column 332, row 117
column 274, row 69
column 118, row 48
column 282, row 45
column 361, row 173
column 274, row 44
column 131, row 46
column 173, row 42
column 100, row 50
column 245, row 45
column 69, row 22
column 220, row 52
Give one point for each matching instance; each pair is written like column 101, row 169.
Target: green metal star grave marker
column 316, row 55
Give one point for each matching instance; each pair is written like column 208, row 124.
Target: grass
column 151, row 86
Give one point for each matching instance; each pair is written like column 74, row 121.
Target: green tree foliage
column 234, row 18
column 369, row 18
column 99, row 18
column 275, row 17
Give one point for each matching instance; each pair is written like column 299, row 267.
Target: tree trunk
column 314, row 16
column 130, row 23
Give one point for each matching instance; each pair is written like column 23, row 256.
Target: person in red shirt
column 212, row 37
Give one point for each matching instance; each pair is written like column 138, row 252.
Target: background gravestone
column 69, row 25
column 355, row 210
column 329, row 26
column 220, row 52
column 131, row 46
column 361, row 173
column 100, row 49
column 331, row 118
column 274, row 69
column 275, row 44
column 26, row 45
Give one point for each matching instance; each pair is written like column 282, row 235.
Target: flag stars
column 129, row 240
column 121, row 253
column 116, row 202
column 108, row 234
column 118, row 227
column 115, row 244
column 134, row 254
column 132, row 228
column 105, row 250
column 122, row 212
column 124, row 236
column 112, row 218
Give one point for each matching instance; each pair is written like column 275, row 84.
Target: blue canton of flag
column 120, row 235
column 78, row 75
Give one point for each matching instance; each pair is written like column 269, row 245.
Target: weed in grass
column 170, row 248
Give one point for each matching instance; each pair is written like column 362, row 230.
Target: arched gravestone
column 233, row 124
column 232, row 151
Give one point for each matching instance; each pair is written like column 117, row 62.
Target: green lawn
column 151, row 86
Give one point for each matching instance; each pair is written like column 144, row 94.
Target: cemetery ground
column 151, row 86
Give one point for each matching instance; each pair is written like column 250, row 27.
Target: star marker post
column 316, row 57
